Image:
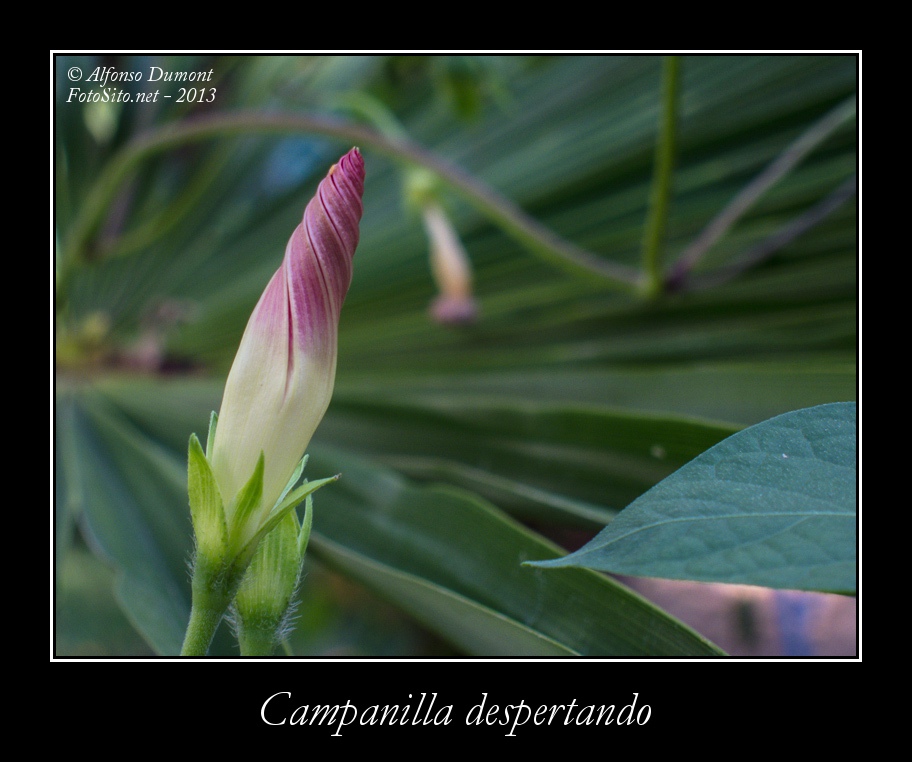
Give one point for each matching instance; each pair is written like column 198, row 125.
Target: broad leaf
column 773, row 505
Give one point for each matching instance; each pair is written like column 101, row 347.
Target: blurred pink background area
column 755, row 621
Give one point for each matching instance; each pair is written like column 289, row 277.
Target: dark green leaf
column 136, row 515
column 773, row 505
column 442, row 553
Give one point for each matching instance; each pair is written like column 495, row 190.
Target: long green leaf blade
column 138, row 518
column 476, row 628
column 457, row 542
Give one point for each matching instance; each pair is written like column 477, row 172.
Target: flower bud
column 265, row 603
column 282, row 378
column 451, row 268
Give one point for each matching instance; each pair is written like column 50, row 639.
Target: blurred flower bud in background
column 451, row 268
column 450, row 264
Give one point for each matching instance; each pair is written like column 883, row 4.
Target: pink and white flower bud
column 451, row 268
column 282, row 378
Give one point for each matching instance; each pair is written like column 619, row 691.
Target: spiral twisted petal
column 282, row 378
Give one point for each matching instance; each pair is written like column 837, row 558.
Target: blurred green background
column 464, row 449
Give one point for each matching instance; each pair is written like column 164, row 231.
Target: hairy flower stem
column 213, row 590
column 204, row 621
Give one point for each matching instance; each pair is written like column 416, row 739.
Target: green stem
column 213, row 588
column 204, row 621
column 536, row 237
column 660, row 197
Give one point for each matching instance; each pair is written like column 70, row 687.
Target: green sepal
column 306, row 524
column 210, row 438
column 289, row 504
column 294, row 499
column 245, row 507
column 206, row 508
column 272, row 577
column 292, row 481
column 265, row 601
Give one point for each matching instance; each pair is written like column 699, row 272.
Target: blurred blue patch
column 293, row 161
column 794, row 611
